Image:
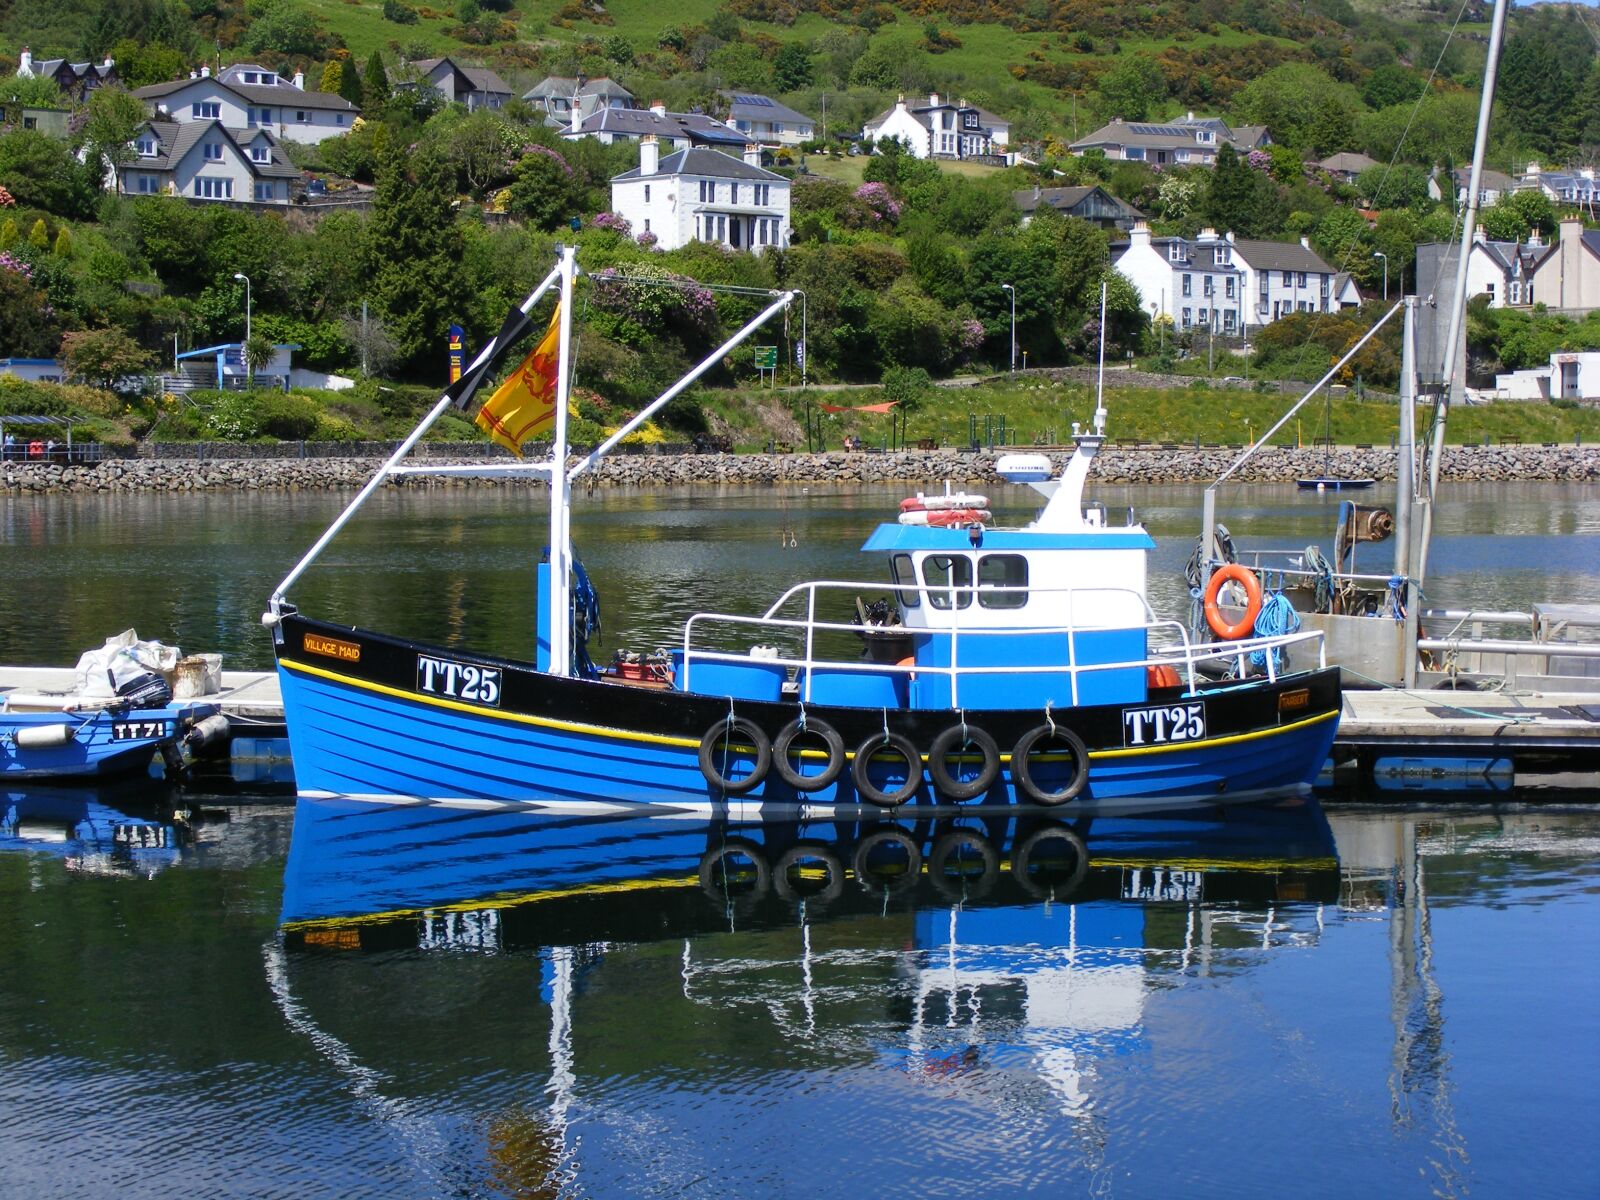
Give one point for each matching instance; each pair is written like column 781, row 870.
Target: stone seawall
column 917, row 467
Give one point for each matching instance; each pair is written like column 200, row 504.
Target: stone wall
column 915, row 467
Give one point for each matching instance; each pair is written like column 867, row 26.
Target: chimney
column 901, row 102
column 1229, row 236
column 1208, row 234
column 1479, row 236
column 25, row 63
column 300, row 80
column 1139, row 235
column 194, row 74
column 752, row 154
column 649, row 154
column 1534, row 239
column 205, row 72
column 1190, row 117
column 1304, row 241
column 933, row 99
column 1570, row 230
column 1533, row 170
column 109, row 62
column 659, row 107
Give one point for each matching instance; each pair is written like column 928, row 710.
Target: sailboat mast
column 1458, row 309
column 1100, row 386
column 560, row 615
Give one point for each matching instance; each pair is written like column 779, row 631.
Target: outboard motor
column 145, row 690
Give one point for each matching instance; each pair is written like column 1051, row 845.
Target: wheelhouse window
column 1002, row 571
column 905, row 578
column 945, row 571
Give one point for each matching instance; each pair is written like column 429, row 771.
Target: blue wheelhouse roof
column 892, row 537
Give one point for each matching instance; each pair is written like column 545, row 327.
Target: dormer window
column 147, row 147
column 1177, row 253
column 1220, row 256
column 1205, row 137
column 269, row 79
column 260, row 153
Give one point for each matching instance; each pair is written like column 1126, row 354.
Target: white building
column 247, row 96
column 678, row 130
column 1567, row 279
column 1187, row 141
column 1508, row 273
column 204, row 160
column 1570, row 376
column 1491, row 186
column 762, row 119
column 940, row 128
column 703, row 195
column 1225, row 283
column 559, row 96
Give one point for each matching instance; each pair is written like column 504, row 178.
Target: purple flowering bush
column 877, row 197
column 969, row 335
column 614, row 222
column 9, row 262
column 637, row 301
column 1259, row 160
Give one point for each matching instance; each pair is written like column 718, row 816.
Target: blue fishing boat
column 95, row 743
column 1001, row 665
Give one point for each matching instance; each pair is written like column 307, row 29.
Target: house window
column 1229, row 287
column 269, row 79
column 1515, row 290
column 212, row 151
column 147, row 147
column 302, row 116
column 647, row 193
column 1175, row 252
column 1208, row 286
column 1002, row 571
column 1490, row 290
column 1302, row 279
column 1188, row 317
column 733, row 193
column 647, row 224
column 722, row 228
column 264, row 190
column 338, row 119
column 763, row 193
column 30, row 122
column 1188, row 285
column 1288, row 279
column 260, row 154
column 708, row 191
column 1220, row 256
column 206, row 110
column 1227, row 320
column 148, row 185
column 208, row 188
column 1133, row 154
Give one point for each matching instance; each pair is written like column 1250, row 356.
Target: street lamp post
column 1013, row 292
column 245, row 349
column 1385, row 257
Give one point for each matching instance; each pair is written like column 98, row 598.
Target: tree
column 9, row 234
column 375, row 83
column 1390, row 84
column 332, row 76
column 28, row 325
column 791, row 68
column 100, row 357
column 281, row 27
column 350, row 82
column 1300, row 103
column 478, row 146
column 1131, row 89
column 39, row 236
column 63, row 244
column 33, row 90
column 1513, row 216
column 1404, row 185
column 415, row 251
column 1243, row 200
column 543, row 190
column 42, row 172
column 112, row 117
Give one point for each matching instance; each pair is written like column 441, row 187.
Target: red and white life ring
column 945, row 518
column 950, row 500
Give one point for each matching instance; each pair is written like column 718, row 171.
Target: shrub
column 399, row 13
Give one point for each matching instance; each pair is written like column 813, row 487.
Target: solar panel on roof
column 753, row 101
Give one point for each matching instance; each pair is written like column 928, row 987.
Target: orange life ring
column 1245, row 578
column 1160, row 675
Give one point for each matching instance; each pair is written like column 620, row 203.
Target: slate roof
column 1145, row 134
column 481, row 78
column 919, row 113
column 1279, row 256
column 748, row 106
column 637, row 122
column 1489, row 181
column 1347, row 163
column 1066, row 198
column 176, row 139
column 284, row 94
column 698, row 160
column 566, row 86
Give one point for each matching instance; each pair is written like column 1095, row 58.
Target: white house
column 1575, row 188
column 1187, row 141
column 76, row 80
column 703, row 195
column 1570, row 376
column 476, row 87
column 1507, row 272
column 204, row 160
column 1491, row 186
column 762, row 119
column 940, row 128
column 246, row 96
column 1568, row 277
column 559, row 95
column 1226, row 283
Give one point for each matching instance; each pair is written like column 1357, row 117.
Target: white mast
column 560, row 615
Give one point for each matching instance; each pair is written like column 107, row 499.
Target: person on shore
column 11, row 447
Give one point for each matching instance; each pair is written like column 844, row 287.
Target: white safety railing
column 1177, row 650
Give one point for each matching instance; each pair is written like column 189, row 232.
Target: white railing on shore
column 1178, row 652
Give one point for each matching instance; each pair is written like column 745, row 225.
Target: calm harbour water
column 353, row 1001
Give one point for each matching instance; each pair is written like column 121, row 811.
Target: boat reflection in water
column 117, row 829
column 1007, row 945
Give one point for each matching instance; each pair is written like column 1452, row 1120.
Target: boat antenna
column 1100, row 386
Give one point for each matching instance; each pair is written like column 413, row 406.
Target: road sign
column 766, row 358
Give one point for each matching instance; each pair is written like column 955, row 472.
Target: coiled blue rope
column 1277, row 618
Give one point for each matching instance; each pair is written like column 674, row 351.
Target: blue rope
column 1277, row 618
column 585, row 620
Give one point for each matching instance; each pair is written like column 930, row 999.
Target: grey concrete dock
column 247, row 697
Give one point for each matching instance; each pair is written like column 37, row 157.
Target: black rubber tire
column 745, row 730
column 713, row 858
column 809, row 728
column 876, row 884
column 807, row 852
column 1022, row 855
column 958, row 737
column 963, row 886
column 1022, row 774
column 871, row 792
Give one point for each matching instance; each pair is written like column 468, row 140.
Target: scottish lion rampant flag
column 525, row 404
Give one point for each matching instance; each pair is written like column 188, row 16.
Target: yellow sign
column 329, row 647
column 1289, row 701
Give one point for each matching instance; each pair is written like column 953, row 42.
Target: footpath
column 925, row 468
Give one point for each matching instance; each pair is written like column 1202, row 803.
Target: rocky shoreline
column 913, row 467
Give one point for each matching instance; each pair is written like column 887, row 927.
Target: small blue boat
column 98, row 743
column 986, row 664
